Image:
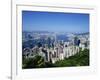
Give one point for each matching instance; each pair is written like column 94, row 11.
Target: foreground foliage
column 80, row 59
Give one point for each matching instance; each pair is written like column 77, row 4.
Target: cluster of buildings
column 58, row 50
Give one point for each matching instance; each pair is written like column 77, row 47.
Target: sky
column 55, row 21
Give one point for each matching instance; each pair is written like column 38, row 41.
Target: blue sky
column 55, row 21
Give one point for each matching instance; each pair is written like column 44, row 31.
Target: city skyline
column 55, row 21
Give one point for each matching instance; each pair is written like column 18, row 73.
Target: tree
column 36, row 62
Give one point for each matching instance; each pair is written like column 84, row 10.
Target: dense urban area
column 43, row 49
